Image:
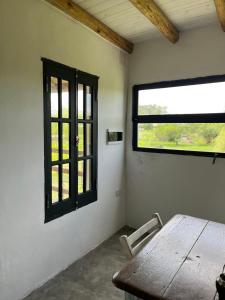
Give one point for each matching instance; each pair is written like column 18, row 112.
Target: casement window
column 70, row 130
column 180, row 117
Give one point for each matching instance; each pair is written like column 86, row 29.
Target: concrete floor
column 89, row 278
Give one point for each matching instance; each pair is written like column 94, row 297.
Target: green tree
column 168, row 132
column 209, row 132
column 152, row 109
column 220, row 141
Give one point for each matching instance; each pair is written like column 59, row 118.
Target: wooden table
column 181, row 262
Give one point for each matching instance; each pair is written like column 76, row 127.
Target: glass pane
column 55, row 184
column 66, row 141
column 192, row 99
column 208, row 137
column 80, row 177
column 81, row 139
column 65, row 99
column 88, row 175
column 55, row 141
column 88, row 103
column 80, row 101
column 65, row 181
column 88, row 137
column 54, row 97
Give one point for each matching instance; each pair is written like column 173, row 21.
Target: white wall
column 166, row 183
column 31, row 251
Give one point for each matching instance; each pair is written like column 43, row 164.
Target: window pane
column 66, row 141
column 89, row 139
column 55, row 141
column 88, row 103
column 65, row 181
column 88, row 175
column 207, row 137
column 192, row 99
column 81, row 139
column 54, row 97
column 65, row 99
column 80, row 177
column 55, row 184
column 80, row 101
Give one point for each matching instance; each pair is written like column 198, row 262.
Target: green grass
column 171, row 145
column 148, row 140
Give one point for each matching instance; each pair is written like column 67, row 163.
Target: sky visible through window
column 192, row 99
column 54, row 101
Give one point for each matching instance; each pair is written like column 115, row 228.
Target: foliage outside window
column 180, row 117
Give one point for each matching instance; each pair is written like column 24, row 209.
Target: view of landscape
column 196, row 99
column 183, row 136
column 65, row 138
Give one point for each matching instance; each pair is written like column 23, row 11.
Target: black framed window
column 180, row 117
column 70, row 129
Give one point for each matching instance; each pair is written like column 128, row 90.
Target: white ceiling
column 125, row 19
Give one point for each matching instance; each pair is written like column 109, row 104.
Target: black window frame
column 169, row 118
column 74, row 77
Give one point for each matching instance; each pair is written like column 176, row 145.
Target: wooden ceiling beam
column 157, row 17
column 81, row 15
column 220, row 9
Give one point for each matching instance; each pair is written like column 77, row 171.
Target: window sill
column 180, row 152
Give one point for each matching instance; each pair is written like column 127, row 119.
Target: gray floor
column 90, row 277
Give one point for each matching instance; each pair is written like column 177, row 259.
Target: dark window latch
column 77, row 141
column 214, row 158
column 135, row 119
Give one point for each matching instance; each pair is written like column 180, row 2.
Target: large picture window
column 180, row 117
column 70, row 125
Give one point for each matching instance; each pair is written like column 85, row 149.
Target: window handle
column 214, row 158
column 77, row 141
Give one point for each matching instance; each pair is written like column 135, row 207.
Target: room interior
column 114, row 45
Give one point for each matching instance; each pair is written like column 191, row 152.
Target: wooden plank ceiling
column 220, row 8
column 126, row 20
